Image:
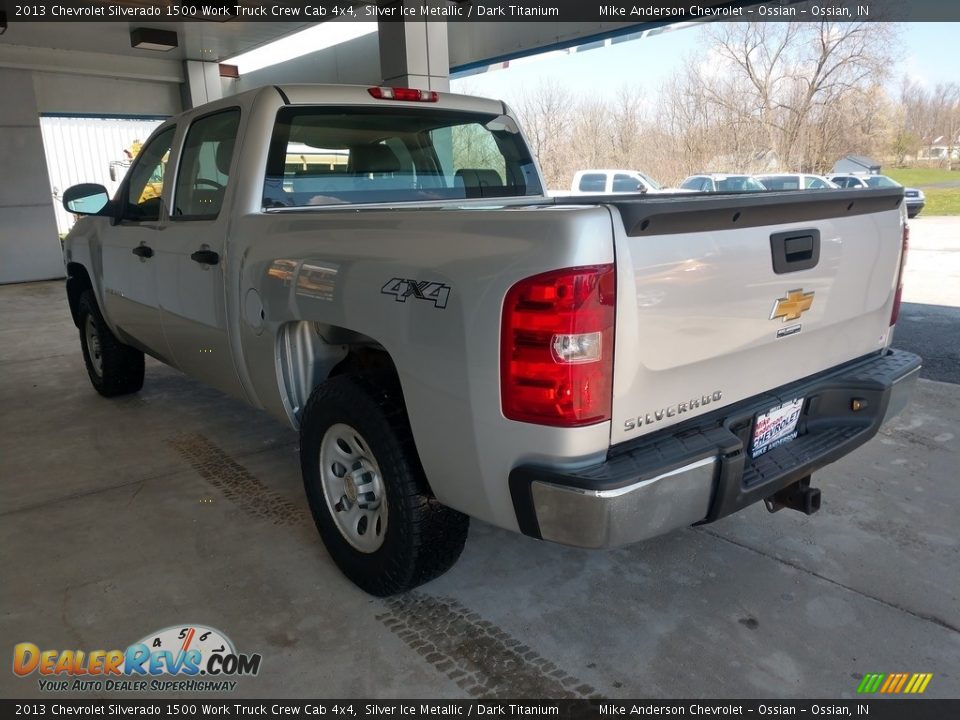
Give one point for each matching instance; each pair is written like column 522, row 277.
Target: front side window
column 814, row 183
column 205, row 166
column 626, row 183
column 145, row 185
column 332, row 156
column 693, row 183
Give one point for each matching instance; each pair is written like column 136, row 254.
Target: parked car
column 612, row 182
column 444, row 336
column 914, row 198
column 720, row 182
column 795, row 181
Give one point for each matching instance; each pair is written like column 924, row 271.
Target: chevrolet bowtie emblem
column 792, row 306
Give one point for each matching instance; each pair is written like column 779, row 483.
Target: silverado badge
column 792, row 306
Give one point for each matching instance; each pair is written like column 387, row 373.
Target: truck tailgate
column 720, row 298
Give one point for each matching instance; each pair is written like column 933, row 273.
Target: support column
column 414, row 53
column 29, row 246
column 203, row 83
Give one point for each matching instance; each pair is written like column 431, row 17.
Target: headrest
column 225, row 155
column 374, row 159
column 478, row 178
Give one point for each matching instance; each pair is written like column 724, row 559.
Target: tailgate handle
column 795, row 250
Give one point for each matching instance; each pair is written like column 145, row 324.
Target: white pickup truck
column 612, row 182
column 381, row 269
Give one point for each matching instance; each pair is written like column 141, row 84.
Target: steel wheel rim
column 93, row 346
column 353, row 488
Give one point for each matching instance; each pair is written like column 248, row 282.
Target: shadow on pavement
column 933, row 332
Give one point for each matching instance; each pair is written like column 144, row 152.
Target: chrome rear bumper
column 610, row 518
column 701, row 471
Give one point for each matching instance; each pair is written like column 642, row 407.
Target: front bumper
column 914, row 206
column 701, row 470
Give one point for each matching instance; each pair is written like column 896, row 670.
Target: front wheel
column 367, row 490
column 114, row 367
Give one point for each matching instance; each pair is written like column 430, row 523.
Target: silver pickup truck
column 382, row 269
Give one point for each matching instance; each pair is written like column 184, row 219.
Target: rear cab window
column 593, row 182
column 351, row 155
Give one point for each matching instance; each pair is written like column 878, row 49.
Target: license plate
column 775, row 427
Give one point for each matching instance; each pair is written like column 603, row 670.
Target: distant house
column 856, row 164
column 940, row 148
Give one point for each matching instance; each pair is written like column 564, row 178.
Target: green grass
column 940, row 200
column 918, row 177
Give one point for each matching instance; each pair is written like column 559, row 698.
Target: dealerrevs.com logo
column 184, row 658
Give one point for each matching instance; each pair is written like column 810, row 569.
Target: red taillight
column 556, row 347
column 895, row 313
column 405, row 94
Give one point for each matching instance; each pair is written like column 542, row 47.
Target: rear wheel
column 367, row 490
column 114, row 368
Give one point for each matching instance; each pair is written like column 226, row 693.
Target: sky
column 647, row 62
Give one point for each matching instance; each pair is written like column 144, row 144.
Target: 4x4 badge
column 402, row 288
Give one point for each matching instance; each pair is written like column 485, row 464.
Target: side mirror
column 86, row 199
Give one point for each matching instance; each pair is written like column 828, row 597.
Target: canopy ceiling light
column 153, row 39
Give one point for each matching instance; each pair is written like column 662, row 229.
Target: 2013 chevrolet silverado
column 382, row 269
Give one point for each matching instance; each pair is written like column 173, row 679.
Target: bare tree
column 546, row 114
column 769, row 87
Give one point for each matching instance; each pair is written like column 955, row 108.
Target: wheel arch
column 310, row 353
column 78, row 281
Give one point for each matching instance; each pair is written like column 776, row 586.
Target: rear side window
column 693, row 183
column 813, row 183
column 332, row 156
column 205, row 166
column 779, row 183
column 593, row 182
column 739, row 183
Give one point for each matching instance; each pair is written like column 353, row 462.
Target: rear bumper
column 701, row 470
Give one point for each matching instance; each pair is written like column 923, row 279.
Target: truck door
column 192, row 263
column 129, row 249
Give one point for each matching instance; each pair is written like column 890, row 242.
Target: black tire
column 423, row 538
column 114, row 368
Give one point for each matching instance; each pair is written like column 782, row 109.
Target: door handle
column 205, row 257
column 795, row 250
column 143, row 251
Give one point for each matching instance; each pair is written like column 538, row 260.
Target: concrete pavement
column 109, row 532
